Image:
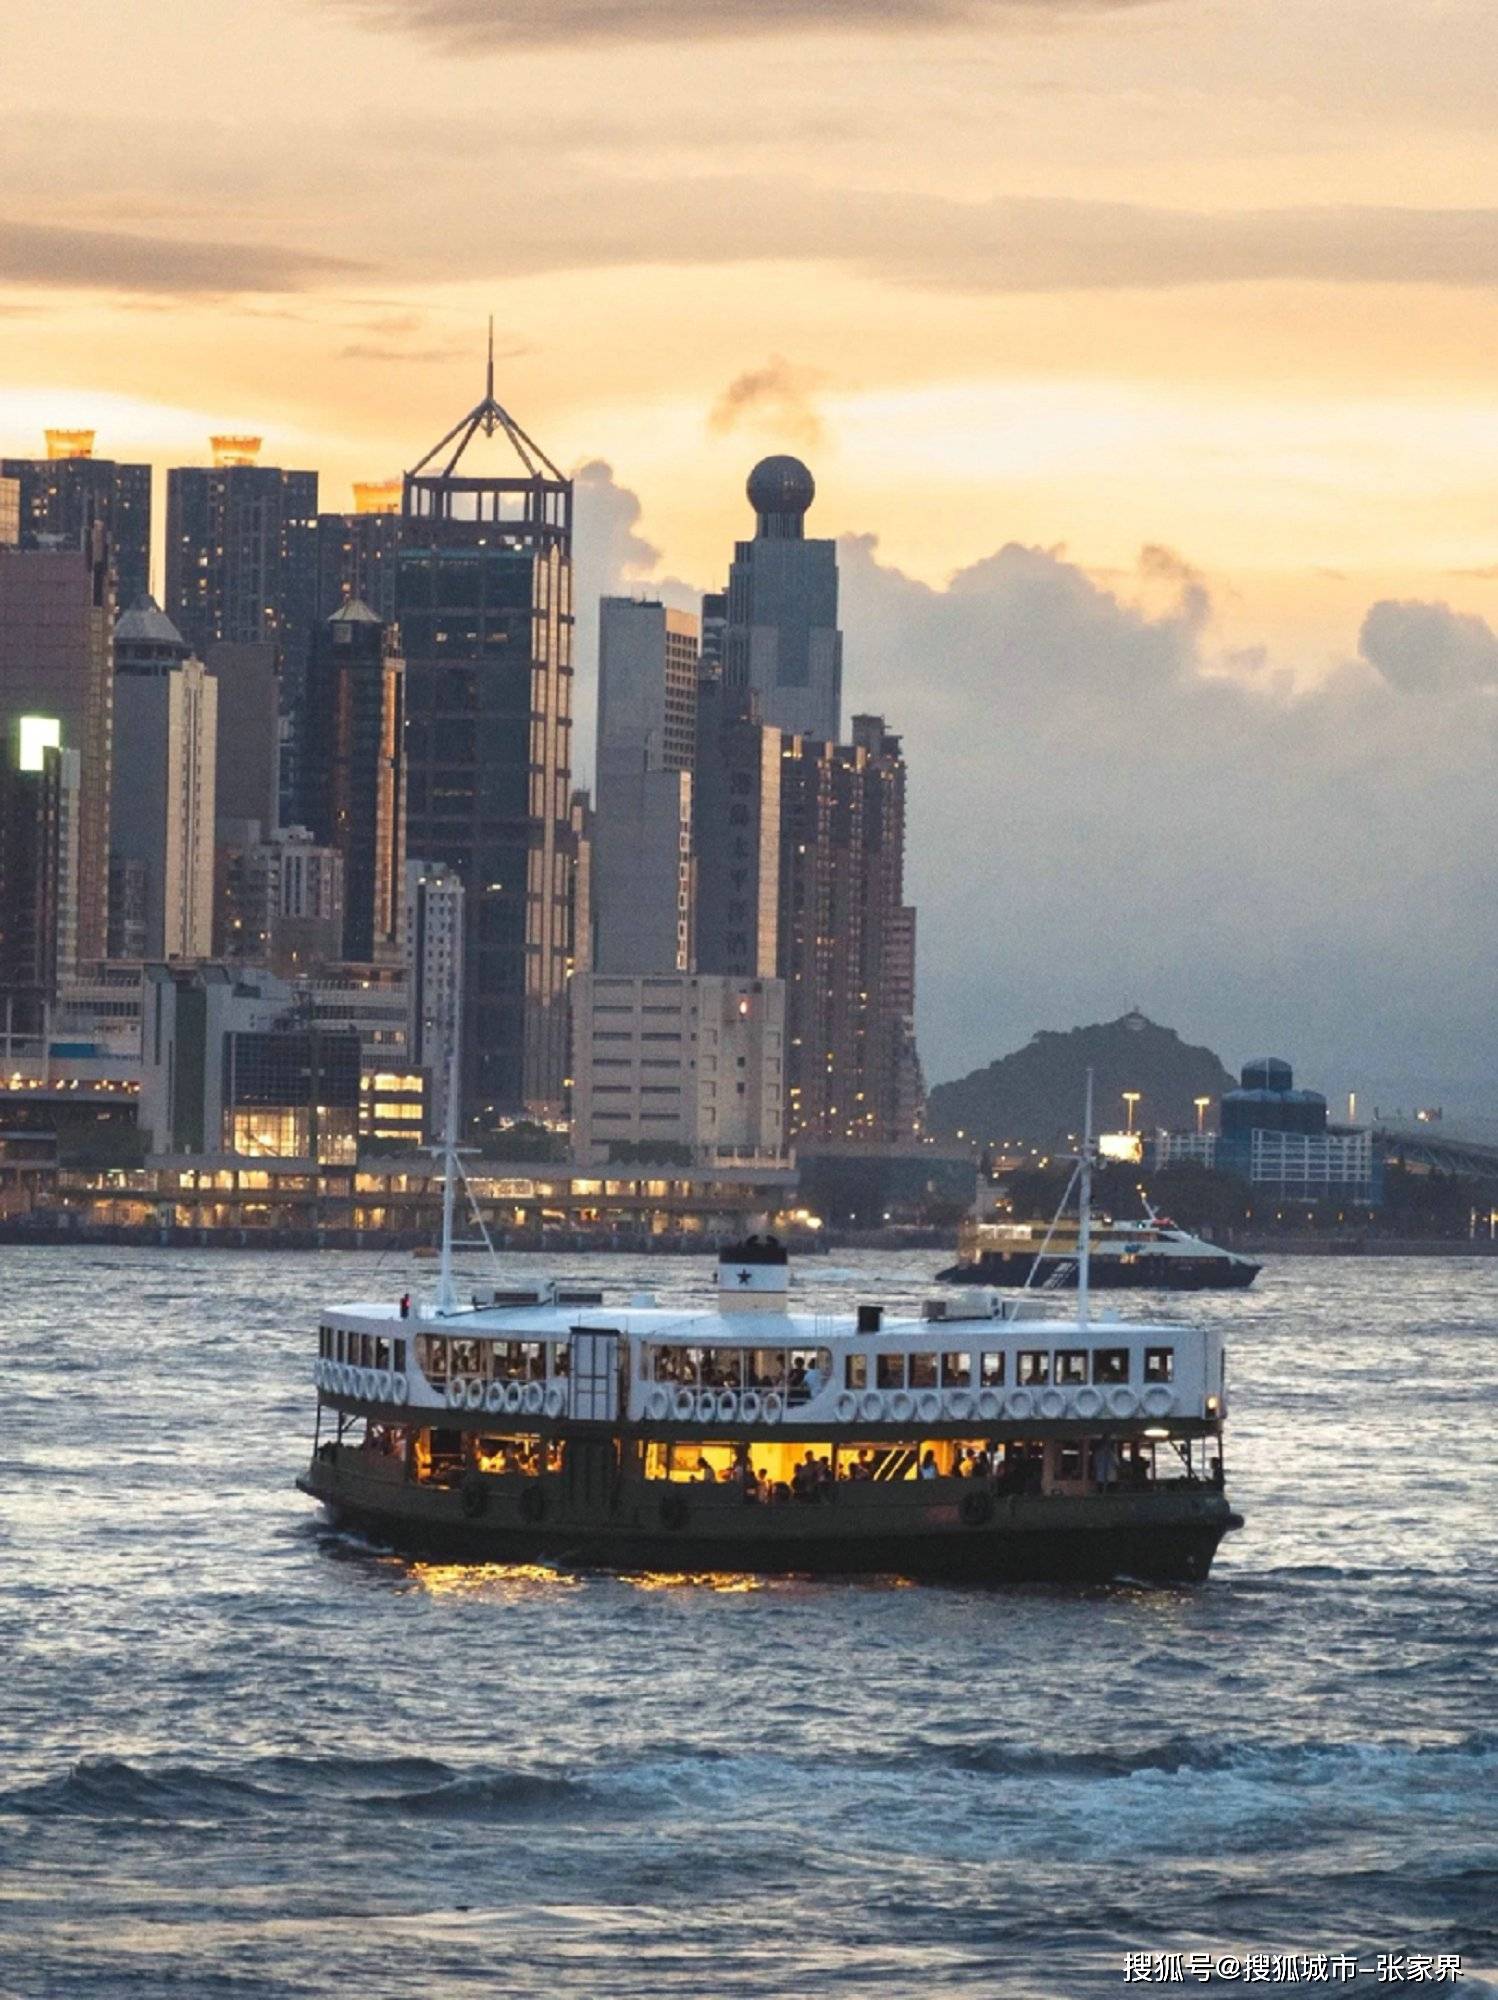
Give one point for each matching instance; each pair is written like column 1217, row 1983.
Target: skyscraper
column 70, row 491
column 353, row 793
column 434, row 977
column 647, row 703
column 10, row 513
column 357, row 552
column 56, row 659
column 485, row 596
column 39, row 793
column 736, row 838
column 165, row 758
column 241, row 551
column 781, row 642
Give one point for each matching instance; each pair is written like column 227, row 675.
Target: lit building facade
column 39, row 858
column 485, row 607
column 434, row 973
column 164, row 787
column 694, row 1065
column 353, row 793
column 63, row 496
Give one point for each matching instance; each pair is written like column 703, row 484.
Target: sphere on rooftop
column 781, row 485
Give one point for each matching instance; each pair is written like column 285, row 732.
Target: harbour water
column 245, row 1756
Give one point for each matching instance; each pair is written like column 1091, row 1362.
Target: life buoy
column 512, row 1399
column 683, row 1403
column 385, row 1384
column 871, row 1406
column 474, row 1494
column 494, row 1398
column 707, row 1406
column 928, row 1406
column 1087, row 1403
column 457, row 1393
column 771, row 1408
column 989, row 1405
column 977, row 1507
column 846, row 1407
column 1158, row 1400
column 1052, row 1403
column 400, row 1389
column 556, row 1399
column 728, row 1406
column 674, row 1511
column 749, row 1407
column 532, row 1503
column 475, row 1396
column 901, row 1404
column 533, row 1399
column 657, row 1403
column 960, row 1403
column 1021, row 1404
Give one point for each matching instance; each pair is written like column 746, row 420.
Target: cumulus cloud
column 39, row 254
column 1429, row 648
column 464, row 26
column 777, row 397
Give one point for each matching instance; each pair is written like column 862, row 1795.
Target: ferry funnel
column 753, row 1276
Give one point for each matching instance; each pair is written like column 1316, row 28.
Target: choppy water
column 244, row 1756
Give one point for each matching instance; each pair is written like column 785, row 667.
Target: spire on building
column 487, row 416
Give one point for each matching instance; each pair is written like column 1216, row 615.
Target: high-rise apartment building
column 248, row 784
column 353, row 794
column 647, row 727
column 241, row 551
column 278, row 898
column 781, row 643
column 67, row 493
column 434, row 974
column 10, row 513
column 163, row 804
column 56, row 659
column 485, row 596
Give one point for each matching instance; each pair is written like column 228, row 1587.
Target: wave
column 1303, row 1762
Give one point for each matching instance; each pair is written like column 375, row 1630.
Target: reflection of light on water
column 727, row 1583
column 451, row 1579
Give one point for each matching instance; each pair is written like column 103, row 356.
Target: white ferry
column 987, row 1440
column 1155, row 1254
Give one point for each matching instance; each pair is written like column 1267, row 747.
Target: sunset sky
column 1210, row 279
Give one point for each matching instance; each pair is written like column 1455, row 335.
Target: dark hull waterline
column 1168, row 1537
column 1142, row 1273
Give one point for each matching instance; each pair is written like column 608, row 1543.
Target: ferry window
column 561, row 1359
column 689, row 1365
column 856, row 1371
column 1034, row 1369
column 1110, row 1364
column 889, row 1371
column 923, row 1371
column 723, row 1368
column 534, row 1352
column 431, row 1351
column 956, row 1371
column 1069, row 1462
column 1159, row 1364
column 398, row 1356
column 992, row 1368
column 1071, row 1365
column 465, row 1357
column 322, row 1342
column 766, row 1368
column 382, row 1354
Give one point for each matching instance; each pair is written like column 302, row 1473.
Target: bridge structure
column 1430, row 1145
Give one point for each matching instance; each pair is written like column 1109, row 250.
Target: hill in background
column 1035, row 1095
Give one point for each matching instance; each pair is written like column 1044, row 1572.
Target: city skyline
column 1141, row 361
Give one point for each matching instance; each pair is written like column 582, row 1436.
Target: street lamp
column 1131, row 1098
column 1201, row 1104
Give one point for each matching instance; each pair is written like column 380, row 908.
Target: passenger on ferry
column 704, row 1473
column 796, row 1389
column 982, row 1467
column 863, row 1466
column 1104, row 1463
column 813, row 1380
column 929, row 1467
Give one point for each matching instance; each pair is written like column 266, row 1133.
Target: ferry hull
column 1141, row 1273
column 958, row 1537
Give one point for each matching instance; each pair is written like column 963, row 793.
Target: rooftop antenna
column 489, row 376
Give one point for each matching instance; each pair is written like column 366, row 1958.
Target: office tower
column 65, row 494
column 353, row 795
column 781, row 643
column 846, row 936
column 56, row 623
column 485, row 582
column 736, row 838
column 39, row 860
column 248, row 779
column 714, row 630
column 10, row 513
column 357, row 552
column 163, row 805
column 434, row 974
column 678, row 1067
column 647, row 702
